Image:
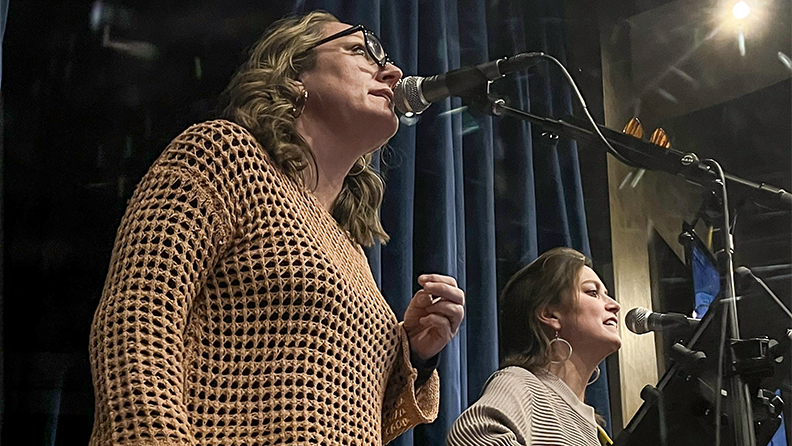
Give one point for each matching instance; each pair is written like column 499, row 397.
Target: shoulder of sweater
column 507, row 400
column 224, row 142
column 218, row 125
column 220, row 155
column 513, row 375
column 223, row 134
column 512, row 383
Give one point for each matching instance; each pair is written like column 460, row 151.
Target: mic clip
column 492, row 71
column 691, row 361
column 751, row 358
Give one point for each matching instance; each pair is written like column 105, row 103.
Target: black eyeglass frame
column 368, row 37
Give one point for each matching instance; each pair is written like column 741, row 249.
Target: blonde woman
column 239, row 308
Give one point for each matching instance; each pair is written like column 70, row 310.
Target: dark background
column 83, row 121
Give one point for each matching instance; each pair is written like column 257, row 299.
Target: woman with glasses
column 557, row 323
column 239, row 307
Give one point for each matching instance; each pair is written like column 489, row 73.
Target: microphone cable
column 612, row 150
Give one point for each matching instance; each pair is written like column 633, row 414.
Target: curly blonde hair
column 549, row 281
column 262, row 97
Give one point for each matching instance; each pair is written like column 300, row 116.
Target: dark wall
column 86, row 112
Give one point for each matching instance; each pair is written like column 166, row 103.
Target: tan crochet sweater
column 237, row 312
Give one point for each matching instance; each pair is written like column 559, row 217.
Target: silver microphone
column 408, row 97
column 641, row 320
column 414, row 94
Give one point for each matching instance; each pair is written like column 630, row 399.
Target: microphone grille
column 407, row 95
column 637, row 320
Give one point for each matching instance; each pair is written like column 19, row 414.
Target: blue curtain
column 3, row 17
column 471, row 196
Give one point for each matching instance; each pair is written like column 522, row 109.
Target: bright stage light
column 741, row 10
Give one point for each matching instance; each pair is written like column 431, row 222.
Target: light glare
column 741, row 10
column 741, row 43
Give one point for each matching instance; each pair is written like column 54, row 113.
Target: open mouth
column 611, row 322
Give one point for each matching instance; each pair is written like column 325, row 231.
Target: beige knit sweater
column 519, row 408
column 237, row 312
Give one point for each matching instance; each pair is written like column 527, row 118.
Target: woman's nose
column 612, row 305
column 390, row 74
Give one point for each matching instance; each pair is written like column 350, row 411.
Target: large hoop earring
column 363, row 165
column 299, row 104
column 596, row 377
column 557, row 339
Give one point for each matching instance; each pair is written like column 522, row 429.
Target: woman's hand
column 432, row 319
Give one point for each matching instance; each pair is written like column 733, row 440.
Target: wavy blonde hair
column 549, row 281
column 262, row 97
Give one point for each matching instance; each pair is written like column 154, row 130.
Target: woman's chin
column 394, row 124
column 389, row 130
column 616, row 346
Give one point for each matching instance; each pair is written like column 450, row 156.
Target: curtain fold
column 468, row 195
column 3, row 18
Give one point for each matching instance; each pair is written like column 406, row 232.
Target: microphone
column 640, row 320
column 414, row 94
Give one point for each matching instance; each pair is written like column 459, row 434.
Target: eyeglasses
column 373, row 45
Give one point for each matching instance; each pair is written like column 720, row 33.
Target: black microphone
column 640, row 320
column 414, row 94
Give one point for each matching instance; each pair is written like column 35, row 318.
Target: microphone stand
column 739, row 393
column 707, row 174
column 635, row 152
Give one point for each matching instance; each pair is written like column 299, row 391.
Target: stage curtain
column 470, row 196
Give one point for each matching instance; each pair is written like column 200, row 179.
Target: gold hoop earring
column 597, row 373
column 363, row 165
column 299, row 104
column 557, row 339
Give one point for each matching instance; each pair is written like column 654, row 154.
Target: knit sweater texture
column 520, row 408
column 236, row 311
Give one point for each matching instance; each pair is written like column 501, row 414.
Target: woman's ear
column 551, row 318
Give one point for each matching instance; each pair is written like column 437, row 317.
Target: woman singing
column 557, row 324
column 239, row 308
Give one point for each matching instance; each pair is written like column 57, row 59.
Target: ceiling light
column 741, row 10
